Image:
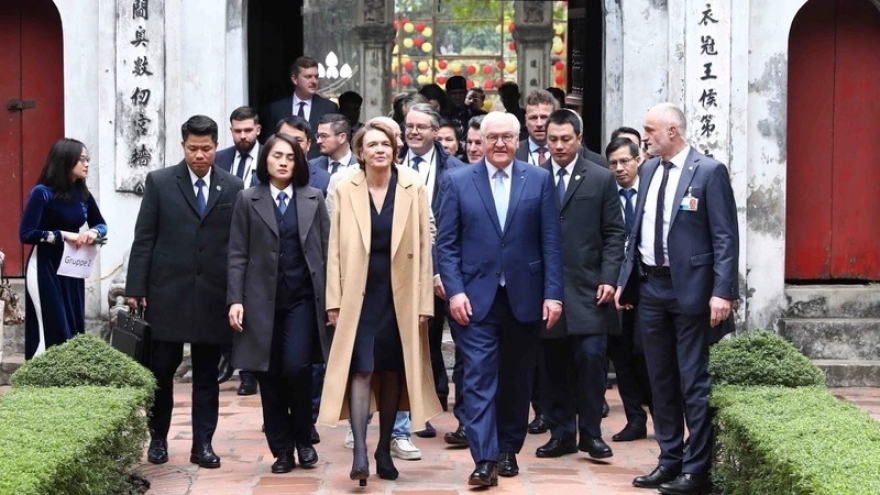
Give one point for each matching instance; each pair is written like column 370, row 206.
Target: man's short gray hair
column 498, row 117
column 428, row 110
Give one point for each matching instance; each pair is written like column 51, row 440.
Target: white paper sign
column 77, row 262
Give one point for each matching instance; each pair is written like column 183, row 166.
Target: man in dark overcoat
column 177, row 272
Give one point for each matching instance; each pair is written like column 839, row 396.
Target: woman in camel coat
column 361, row 375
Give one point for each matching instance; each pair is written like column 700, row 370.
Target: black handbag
column 132, row 336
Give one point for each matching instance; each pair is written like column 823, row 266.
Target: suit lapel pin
column 691, row 167
column 218, row 187
column 577, row 177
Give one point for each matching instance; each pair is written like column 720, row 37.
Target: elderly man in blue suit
column 499, row 251
column 681, row 273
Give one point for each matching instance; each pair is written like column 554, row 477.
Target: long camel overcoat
column 412, row 285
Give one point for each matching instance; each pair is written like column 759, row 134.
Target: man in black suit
column 240, row 160
column 177, row 271
column 681, row 272
column 625, row 350
column 334, row 136
column 305, row 101
column 592, row 251
column 300, row 129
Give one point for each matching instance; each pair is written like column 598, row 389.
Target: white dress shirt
column 287, row 190
column 535, row 157
column 250, row 167
column 646, row 245
column 635, row 187
column 568, row 169
column 490, row 169
column 193, row 178
column 427, row 169
column 307, row 109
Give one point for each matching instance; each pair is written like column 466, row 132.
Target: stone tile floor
column 441, row 471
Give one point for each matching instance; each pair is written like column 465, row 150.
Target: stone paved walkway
column 441, row 471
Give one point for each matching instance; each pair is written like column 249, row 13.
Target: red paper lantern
column 396, row 25
column 500, row 64
column 488, row 70
column 488, row 84
column 560, row 80
column 511, row 27
column 499, row 82
column 405, row 80
column 419, row 41
column 559, row 65
column 393, row 83
column 471, row 70
column 512, row 46
column 442, row 65
column 441, row 80
column 469, row 84
column 408, row 66
column 420, row 27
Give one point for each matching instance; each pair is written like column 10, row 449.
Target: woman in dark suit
column 277, row 257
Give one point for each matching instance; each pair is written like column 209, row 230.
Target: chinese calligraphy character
column 707, row 72
column 708, row 45
column 140, row 37
column 140, row 8
column 707, row 126
column 140, row 97
column 141, row 124
column 708, row 98
column 141, row 156
column 141, row 67
column 707, row 16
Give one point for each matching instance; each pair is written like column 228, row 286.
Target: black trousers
column 164, row 361
column 628, row 355
column 286, row 389
column 574, row 384
column 435, row 343
column 677, row 355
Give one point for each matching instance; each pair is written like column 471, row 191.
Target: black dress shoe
column 428, row 432
column 605, row 408
column 224, row 369
column 557, row 447
column 630, row 432
column 248, row 384
column 204, row 456
column 596, row 447
column 314, row 437
column 308, row 457
column 485, row 474
column 158, row 451
column 660, row 475
column 539, row 425
column 507, row 465
column 688, row 484
column 284, row 463
column 457, row 438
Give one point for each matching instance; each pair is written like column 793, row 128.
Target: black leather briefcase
column 132, row 336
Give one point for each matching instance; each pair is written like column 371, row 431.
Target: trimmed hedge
column 72, row 441
column 761, row 358
column 800, row 441
column 74, row 422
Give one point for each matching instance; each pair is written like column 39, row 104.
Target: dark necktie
column 200, row 197
column 302, row 111
column 628, row 210
column 282, row 202
column 659, row 258
column 542, row 155
column 334, row 166
column 560, row 185
column 415, row 163
column 241, row 165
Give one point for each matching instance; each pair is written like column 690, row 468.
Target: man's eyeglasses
column 420, row 128
column 622, row 161
column 506, row 138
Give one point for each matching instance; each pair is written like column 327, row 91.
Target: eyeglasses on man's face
column 420, row 128
column 506, row 138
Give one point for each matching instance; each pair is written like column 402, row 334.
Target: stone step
column 833, row 301
column 850, row 372
column 8, row 365
column 834, row 338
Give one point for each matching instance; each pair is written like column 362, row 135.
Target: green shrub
column 761, row 358
column 803, row 441
column 85, row 360
column 69, row 441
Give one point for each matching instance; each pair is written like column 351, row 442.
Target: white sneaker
column 349, row 440
column 403, row 448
